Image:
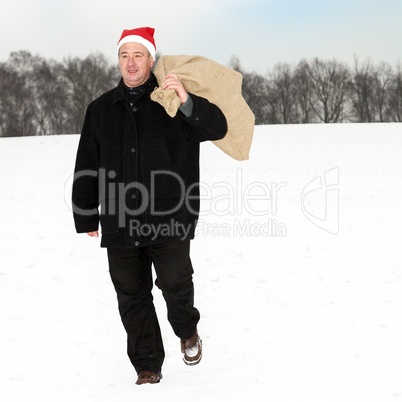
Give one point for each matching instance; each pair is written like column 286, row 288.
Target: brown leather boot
column 148, row 377
column 191, row 349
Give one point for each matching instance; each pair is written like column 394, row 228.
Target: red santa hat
column 145, row 36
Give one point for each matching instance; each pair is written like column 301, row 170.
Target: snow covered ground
column 294, row 306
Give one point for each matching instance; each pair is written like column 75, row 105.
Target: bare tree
column 51, row 112
column 370, row 87
column 303, row 96
column 235, row 64
column 361, row 91
column 328, row 80
column 21, row 92
column 282, row 94
column 11, row 124
column 254, row 91
column 382, row 83
column 395, row 98
column 86, row 80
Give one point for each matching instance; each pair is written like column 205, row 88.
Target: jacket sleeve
column 206, row 123
column 85, row 194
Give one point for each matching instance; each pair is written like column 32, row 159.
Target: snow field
column 290, row 313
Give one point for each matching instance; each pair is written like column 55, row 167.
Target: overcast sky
column 260, row 32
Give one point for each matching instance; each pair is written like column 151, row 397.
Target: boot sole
column 193, row 362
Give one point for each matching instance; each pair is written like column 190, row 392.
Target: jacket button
column 133, row 150
column 137, row 243
column 134, row 109
column 134, row 196
column 197, row 119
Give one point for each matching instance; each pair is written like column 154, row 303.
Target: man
column 142, row 167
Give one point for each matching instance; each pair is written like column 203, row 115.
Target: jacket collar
column 120, row 93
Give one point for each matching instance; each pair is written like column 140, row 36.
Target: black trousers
column 131, row 273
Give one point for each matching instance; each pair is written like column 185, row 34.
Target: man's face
column 135, row 63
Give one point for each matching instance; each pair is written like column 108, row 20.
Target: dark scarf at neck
column 133, row 92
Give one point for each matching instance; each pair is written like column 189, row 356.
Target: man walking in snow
column 142, row 167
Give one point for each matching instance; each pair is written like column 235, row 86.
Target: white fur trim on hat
column 138, row 39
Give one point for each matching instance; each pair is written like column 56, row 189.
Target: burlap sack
column 221, row 86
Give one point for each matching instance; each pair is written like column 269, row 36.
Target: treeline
column 41, row 97
column 321, row 91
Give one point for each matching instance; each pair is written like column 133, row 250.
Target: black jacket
column 141, row 167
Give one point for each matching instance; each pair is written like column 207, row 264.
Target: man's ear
column 152, row 61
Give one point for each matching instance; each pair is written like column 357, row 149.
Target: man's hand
column 172, row 82
column 93, row 234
